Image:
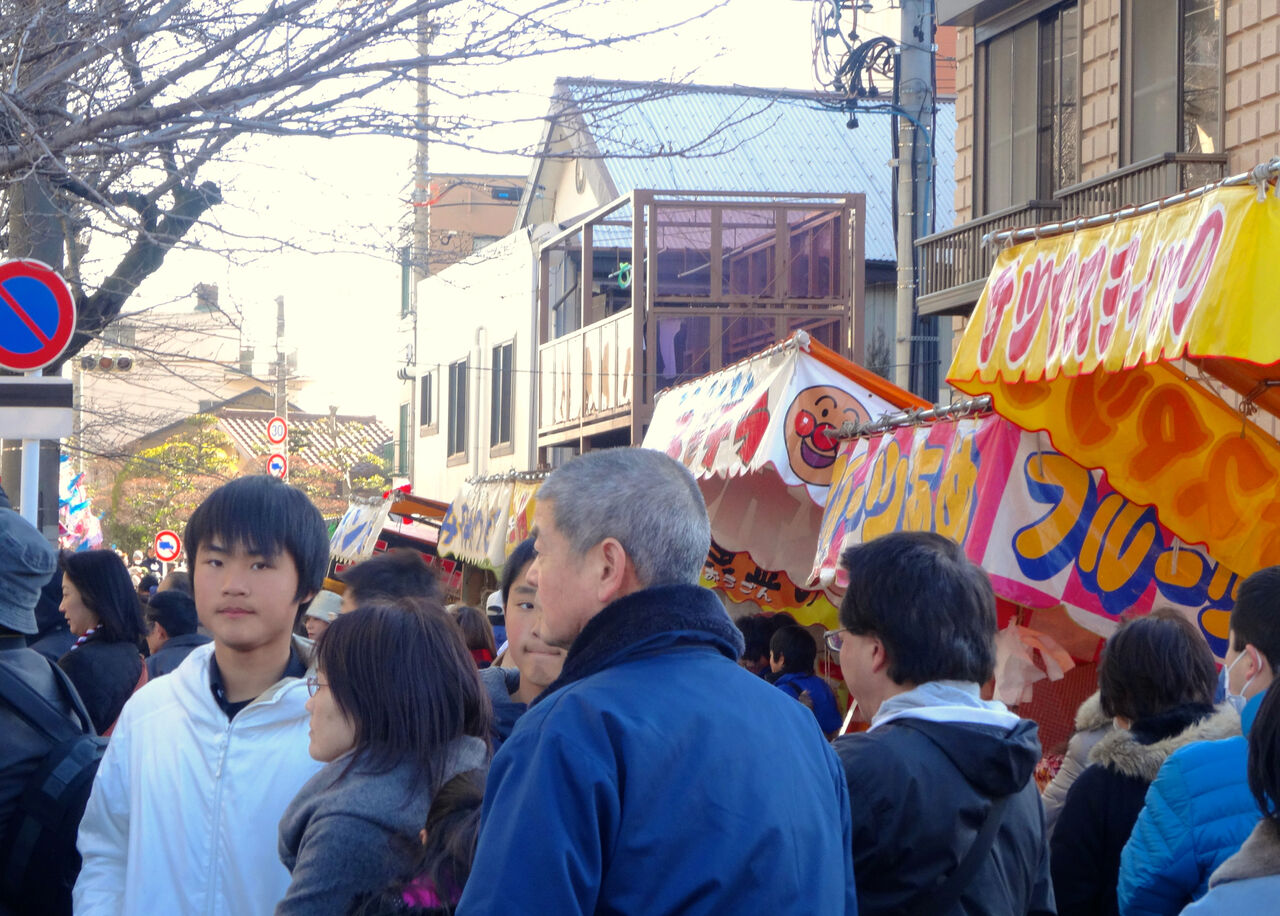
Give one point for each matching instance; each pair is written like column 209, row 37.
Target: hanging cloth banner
column 475, row 527
column 357, row 531
column 760, row 438
column 1046, row 530
column 1087, row 336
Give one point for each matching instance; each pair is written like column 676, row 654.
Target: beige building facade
column 1068, row 109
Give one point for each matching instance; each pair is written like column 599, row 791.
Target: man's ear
column 879, row 657
column 617, row 576
column 161, row 631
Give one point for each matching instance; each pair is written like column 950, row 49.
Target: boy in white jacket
column 202, row 763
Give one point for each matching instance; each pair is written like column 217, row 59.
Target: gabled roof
column 732, row 138
column 312, row 435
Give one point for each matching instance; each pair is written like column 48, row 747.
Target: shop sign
column 1046, row 529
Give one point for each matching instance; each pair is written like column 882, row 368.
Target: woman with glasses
column 396, row 713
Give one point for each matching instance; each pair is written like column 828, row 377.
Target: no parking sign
column 37, row 315
column 168, row 546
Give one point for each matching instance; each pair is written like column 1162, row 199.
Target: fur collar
column 649, row 620
column 1121, row 751
column 1090, row 717
column 1257, row 858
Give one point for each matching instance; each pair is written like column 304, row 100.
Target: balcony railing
column 954, row 264
column 587, row 376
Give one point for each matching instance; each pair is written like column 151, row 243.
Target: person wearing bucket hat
column 324, row 610
column 27, row 562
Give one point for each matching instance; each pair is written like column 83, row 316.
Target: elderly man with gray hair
column 654, row 775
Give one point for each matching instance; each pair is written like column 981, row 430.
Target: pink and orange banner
column 1047, row 530
column 1124, row 342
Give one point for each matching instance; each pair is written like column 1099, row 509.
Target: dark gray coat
column 348, row 835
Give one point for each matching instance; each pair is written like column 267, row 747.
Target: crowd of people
column 248, row 742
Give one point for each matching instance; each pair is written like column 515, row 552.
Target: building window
column 402, row 443
column 1029, row 110
column 426, row 400
column 457, row 408
column 503, row 385
column 1172, row 78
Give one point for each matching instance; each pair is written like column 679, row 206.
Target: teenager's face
column 332, row 733
column 538, row 661
column 79, row 618
column 776, row 662
column 246, row 600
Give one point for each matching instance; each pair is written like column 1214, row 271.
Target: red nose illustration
column 807, row 425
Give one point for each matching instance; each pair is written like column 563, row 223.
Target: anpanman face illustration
column 813, row 420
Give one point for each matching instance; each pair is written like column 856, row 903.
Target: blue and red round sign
column 37, row 315
column 278, row 465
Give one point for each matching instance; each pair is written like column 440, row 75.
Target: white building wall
column 463, row 312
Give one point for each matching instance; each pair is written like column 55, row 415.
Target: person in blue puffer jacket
column 1199, row 810
column 792, row 652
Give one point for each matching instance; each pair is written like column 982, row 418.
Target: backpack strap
column 945, row 896
column 37, row 710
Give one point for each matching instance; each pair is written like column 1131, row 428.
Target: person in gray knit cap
column 27, row 562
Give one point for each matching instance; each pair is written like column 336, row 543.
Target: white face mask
column 1237, row 700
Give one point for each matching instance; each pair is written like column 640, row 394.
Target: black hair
column 756, row 633
column 795, row 645
column 147, row 582
column 175, row 611
column 443, row 862
column 1255, row 620
column 403, row 676
column 266, row 516
column 104, row 585
column 1153, row 664
column 520, row 558
column 475, row 627
column 399, row 573
column 931, row 607
column 1263, row 769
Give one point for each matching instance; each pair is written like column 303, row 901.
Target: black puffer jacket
column 1104, row 802
column 105, row 674
column 173, row 653
column 920, row 792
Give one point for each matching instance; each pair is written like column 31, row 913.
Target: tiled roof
column 729, row 138
column 311, row 435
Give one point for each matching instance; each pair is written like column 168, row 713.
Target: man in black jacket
column 917, row 639
column 172, row 634
column 26, row 564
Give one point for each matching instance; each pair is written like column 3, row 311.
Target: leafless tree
column 111, row 109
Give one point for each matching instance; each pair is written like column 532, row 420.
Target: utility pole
column 914, row 165
column 282, row 370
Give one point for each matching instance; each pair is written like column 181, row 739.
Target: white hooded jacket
column 184, row 810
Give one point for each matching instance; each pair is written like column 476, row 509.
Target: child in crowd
column 444, row 859
column 792, row 652
column 203, row 762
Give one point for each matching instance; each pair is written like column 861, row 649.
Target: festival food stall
column 761, row 438
column 397, row 520
column 1131, row 459
column 1148, row 347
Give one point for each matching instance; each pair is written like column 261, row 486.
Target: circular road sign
column 277, row 430
column 168, row 546
column 37, row 315
column 277, row 465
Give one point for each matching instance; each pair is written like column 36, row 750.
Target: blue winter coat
column 824, row 701
column 656, row 776
column 1197, row 813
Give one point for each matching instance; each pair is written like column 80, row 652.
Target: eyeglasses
column 314, row 684
column 834, row 639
